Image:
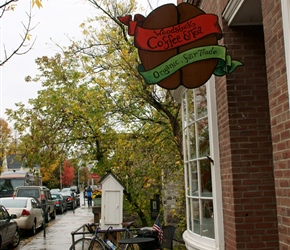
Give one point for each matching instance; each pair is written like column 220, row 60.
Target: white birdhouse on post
column 112, row 201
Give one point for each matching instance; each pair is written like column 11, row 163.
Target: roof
column 110, row 173
column 14, row 174
column 14, row 161
column 17, row 161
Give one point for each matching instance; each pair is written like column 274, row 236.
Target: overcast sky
column 56, row 21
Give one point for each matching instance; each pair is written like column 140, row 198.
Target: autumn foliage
column 67, row 173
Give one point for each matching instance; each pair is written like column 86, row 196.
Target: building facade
column 236, row 131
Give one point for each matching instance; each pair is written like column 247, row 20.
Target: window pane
column 190, row 218
column 196, row 216
column 190, row 106
column 192, row 141
column 194, row 179
column 203, row 137
column 188, row 179
column 186, row 140
column 207, row 219
column 201, row 101
column 205, row 173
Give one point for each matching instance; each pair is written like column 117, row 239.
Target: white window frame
column 285, row 7
column 192, row 240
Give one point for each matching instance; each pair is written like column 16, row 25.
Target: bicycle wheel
column 84, row 244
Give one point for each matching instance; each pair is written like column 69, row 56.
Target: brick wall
column 279, row 110
column 247, row 174
column 249, row 205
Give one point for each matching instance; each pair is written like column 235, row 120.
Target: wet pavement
column 58, row 231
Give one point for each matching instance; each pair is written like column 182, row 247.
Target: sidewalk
column 58, row 233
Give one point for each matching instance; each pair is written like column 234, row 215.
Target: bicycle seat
column 128, row 223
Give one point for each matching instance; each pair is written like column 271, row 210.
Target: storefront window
column 203, row 196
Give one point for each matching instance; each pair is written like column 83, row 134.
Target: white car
column 28, row 210
column 66, row 190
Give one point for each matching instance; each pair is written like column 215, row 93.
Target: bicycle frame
column 109, row 231
column 87, row 229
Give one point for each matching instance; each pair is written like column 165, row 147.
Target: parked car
column 75, row 189
column 65, row 190
column 70, row 201
column 9, row 231
column 60, row 202
column 28, row 211
column 54, row 191
column 73, row 194
column 42, row 194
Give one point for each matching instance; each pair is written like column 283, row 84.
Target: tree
column 67, row 173
column 94, row 101
column 9, row 5
column 6, row 138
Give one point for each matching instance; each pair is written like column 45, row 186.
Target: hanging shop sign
column 178, row 45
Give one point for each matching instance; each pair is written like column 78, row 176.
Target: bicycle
column 98, row 243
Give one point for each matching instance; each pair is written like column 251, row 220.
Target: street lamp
column 79, row 176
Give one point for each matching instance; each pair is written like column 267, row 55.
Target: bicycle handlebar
column 90, row 226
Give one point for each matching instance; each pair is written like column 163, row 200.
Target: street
column 58, row 231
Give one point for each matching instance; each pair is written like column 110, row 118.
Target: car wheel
column 33, row 229
column 16, row 239
column 53, row 214
column 61, row 210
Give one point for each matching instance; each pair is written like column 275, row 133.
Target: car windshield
column 14, row 203
column 10, row 184
column 56, row 196
column 65, row 195
column 28, row 193
column 66, row 190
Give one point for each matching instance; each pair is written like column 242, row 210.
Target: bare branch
column 27, row 30
column 7, row 3
column 150, row 6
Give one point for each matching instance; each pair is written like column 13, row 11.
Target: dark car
column 60, row 202
column 9, row 231
column 73, row 195
column 75, row 189
column 71, row 203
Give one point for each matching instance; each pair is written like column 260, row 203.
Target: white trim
column 231, row 10
column 193, row 242
column 285, row 6
column 214, row 149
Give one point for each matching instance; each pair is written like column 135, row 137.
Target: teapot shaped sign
column 178, row 45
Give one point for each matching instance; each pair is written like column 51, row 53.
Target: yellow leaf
column 28, row 37
column 11, row 7
column 37, row 2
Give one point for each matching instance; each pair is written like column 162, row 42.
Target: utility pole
column 60, row 176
